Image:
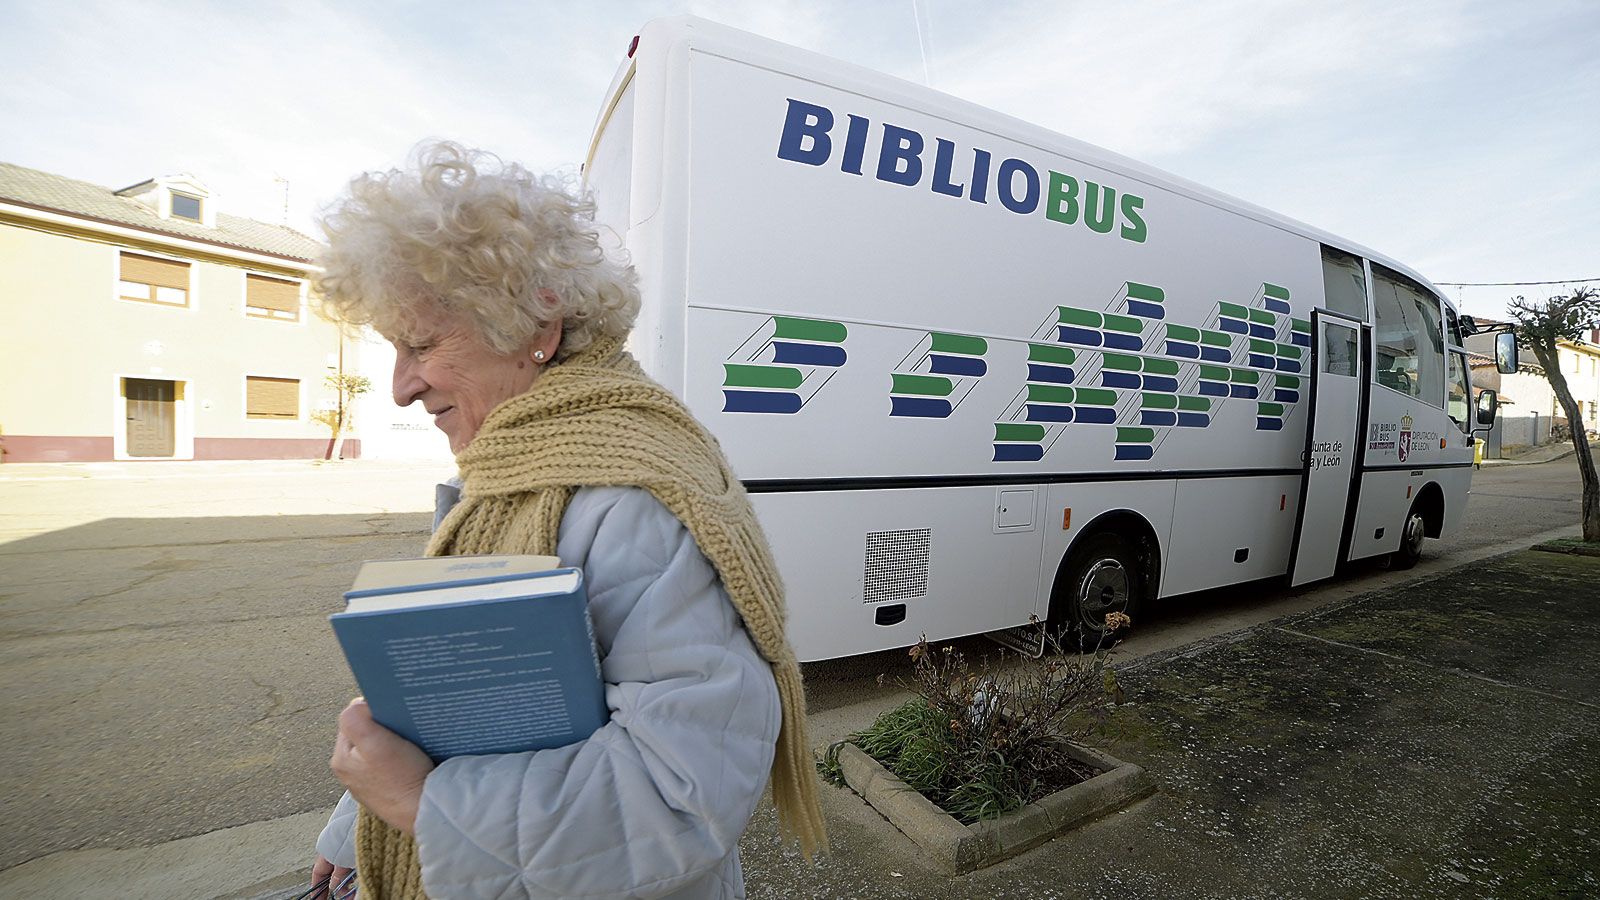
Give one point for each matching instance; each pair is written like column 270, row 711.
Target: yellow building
column 143, row 323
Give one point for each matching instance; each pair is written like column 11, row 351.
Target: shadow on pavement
column 169, row 676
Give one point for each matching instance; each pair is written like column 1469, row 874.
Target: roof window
column 186, row 206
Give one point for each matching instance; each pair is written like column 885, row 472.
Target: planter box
column 962, row 848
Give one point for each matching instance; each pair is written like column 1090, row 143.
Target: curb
column 1572, row 548
column 219, row 863
column 1517, row 461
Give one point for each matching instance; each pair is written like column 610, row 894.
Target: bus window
column 1453, row 329
column 1340, row 350
column 1410, row 345
column 1344, row 284
column 1459, row 404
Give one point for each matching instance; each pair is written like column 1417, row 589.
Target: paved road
column 169, row 669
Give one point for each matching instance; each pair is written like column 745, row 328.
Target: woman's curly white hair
column 482, row 238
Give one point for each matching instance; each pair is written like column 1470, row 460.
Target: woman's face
column 458, row 377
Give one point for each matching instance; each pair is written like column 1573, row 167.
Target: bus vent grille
column 897, row 565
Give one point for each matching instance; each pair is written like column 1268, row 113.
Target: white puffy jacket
column 651, row 805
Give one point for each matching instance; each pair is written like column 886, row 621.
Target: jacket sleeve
column 660, row 794
column 337, row 842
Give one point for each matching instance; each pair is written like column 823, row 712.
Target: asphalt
column 1435, row 737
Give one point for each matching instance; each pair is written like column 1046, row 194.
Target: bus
column 981, row 377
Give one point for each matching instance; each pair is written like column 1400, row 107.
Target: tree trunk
column 336, row 453
column 1550, row 358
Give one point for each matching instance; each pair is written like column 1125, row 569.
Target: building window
column 271, row 398
column 271, row 298
column 185, row 206
column 153, row 280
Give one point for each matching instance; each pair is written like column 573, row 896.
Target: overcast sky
column 1459, row 137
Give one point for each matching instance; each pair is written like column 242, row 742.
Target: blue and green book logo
column 937, row 375
column 782, row 365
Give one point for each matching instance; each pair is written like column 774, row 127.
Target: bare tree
column 346, row 388
column 1541, row 326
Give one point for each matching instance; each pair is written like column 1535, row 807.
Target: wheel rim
column 1416, row 530
column 1104, row 589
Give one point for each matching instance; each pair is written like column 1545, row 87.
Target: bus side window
column 1458, row 406
column 1408, row 337
column 1344, row 284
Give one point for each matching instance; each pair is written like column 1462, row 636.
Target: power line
column 1512, row 283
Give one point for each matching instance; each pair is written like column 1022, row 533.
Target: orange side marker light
column 1283, row 502
column 1066, row 519
column 1408, row 492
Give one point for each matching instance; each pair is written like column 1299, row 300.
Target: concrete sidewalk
column 1434, row 739
column 1438, row 738
column 1543, row 454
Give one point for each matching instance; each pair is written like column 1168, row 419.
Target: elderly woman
column 508, row 322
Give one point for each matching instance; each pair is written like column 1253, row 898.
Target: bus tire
column 1412, row 533
column 1102, row 575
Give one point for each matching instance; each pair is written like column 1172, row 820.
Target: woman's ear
column 544, row 346
column 548, row 340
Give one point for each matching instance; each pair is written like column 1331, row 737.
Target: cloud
column 1454, row 135
column 1158, row 79
column 314, row 92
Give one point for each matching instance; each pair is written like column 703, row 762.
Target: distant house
column 145, row 323
column 1529, row 402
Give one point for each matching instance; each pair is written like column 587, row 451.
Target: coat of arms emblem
column 1404, row 444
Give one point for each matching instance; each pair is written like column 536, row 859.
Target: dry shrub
column 981, row 740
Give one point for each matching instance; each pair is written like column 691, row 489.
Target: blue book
column 492, row 664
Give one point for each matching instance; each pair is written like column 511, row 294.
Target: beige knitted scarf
column 594, row 420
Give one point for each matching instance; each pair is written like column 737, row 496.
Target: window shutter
column 153, row 271
column 272, row 398
column 262, row 292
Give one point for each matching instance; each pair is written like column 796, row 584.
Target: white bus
column 975, row 373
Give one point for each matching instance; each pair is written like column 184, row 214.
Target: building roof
column 57, row 193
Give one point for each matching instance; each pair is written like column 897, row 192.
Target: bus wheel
column 1412, row 534
column 1101, row 577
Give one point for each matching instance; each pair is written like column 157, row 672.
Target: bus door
column 1333, row 441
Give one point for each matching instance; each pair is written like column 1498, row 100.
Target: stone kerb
column 959, row 848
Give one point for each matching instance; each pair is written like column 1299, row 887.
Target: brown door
column 152, row 416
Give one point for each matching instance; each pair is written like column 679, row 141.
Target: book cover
column 497, row 665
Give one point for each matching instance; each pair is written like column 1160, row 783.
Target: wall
column 388, row 431
column 1581, row 366
column 1528, row 392
column 66, row 340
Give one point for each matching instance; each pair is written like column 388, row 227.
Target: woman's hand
column 383, row 770
column 329, row 877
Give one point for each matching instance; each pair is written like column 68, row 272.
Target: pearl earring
column 538, row 356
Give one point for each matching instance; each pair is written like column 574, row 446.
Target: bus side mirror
column 1505, row 352
column 1488, row 405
